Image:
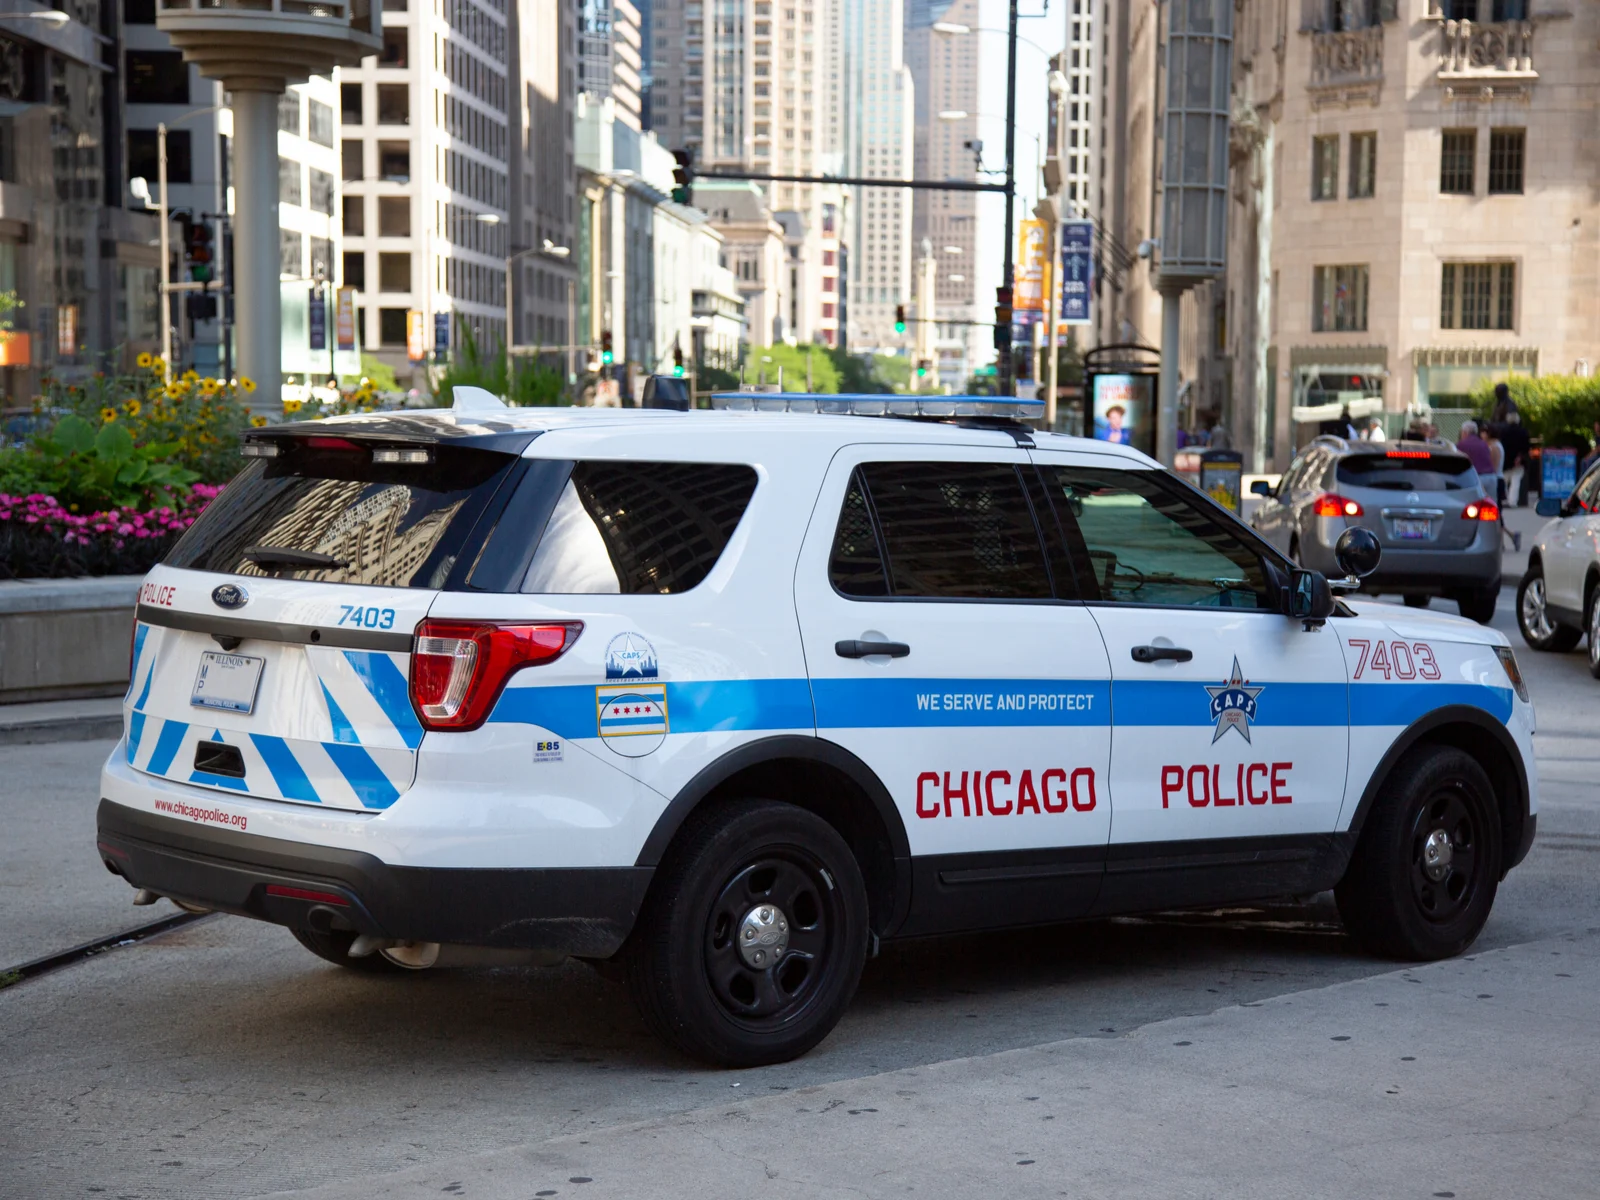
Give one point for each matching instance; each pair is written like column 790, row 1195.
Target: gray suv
column 1440, row 533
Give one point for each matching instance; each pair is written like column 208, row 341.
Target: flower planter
column 65, row 639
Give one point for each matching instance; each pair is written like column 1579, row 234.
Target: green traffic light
column 899, row 326
column 678, row 371
column 605, row 357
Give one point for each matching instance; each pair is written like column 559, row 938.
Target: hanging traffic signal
column 683, row 176
column 899, row 318
column 198, row 250
column 677, row 359
column 605, row 348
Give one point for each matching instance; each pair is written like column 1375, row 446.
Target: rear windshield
column 385, row 525
column 1419, row 472
column 650, row 528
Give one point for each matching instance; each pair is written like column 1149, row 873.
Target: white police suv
column 728, row 697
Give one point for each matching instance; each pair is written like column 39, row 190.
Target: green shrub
column 1561, row 409
column 89, row 469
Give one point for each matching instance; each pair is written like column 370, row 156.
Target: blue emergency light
column 1013, row 408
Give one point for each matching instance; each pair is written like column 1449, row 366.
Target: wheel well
column 830, row 793
column 1589, row 582
column 1503, row 775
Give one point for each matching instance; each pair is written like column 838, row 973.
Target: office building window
column 355, row 270
column 394, row 272
column 288, row 181
column 392, row 327
column 1325, row 167
column 1478, row 296
column 351, row 160
column 355, row 216
column 319, row 124
column 1363, row 165
column 157, row 77
column 1506, row 147
column 394, row 216
column 1458, row 155
column 350, row 103
column 289, row 113
column 144, row 156
column 321, row 192
column 1339, row 299
column 289, row 250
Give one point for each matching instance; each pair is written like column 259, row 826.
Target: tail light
column 1481, row 510
column 459, row 668
column 1331, row 504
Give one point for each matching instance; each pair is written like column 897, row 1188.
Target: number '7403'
column 366, row 618
column 1395, row 660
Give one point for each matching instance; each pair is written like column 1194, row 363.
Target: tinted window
column 1147, row 543
column 856, row 565
column 1417, row 471
column 957, row 530
column 390, row 526
column 639, row 527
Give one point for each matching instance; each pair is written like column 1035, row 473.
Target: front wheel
column 1478, row 604
column 753, row 940
column 1539, row 629
column 1425, row 871
column 1594, row 635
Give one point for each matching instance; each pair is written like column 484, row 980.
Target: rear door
column 272, row 651
column 946, row 649
column 1574, row 544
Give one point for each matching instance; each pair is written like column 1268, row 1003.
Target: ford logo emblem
column 229, row 595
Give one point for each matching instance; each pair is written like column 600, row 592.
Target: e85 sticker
column 547, row 751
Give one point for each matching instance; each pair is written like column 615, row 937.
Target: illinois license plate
column 227, row 681
column 1412, row 527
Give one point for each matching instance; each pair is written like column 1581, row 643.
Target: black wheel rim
column 1444, row 857
column 799, row 887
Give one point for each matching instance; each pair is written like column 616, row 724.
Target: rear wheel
column 1594, row 635
column 1539, row 629
column 754, row 937
column 1478, row 604
column 1424, row 874
column 334, row 946
column 1413, row 600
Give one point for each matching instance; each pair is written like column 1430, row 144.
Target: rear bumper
column 585, row 911
column 1424, row 572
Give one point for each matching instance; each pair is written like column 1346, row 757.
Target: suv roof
column 1407, row 447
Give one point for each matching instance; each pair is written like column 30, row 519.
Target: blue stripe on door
column 1403, row 703
column 167, row 743
column 370, row 784
column 140, row 632
column 286, row 770
column 1186, row 702
column 964, row 703
column 343, row 731
column 389, row 688
column 699, row 707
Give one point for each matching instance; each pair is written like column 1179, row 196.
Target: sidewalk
column 1473, row 1077
column 60, row 721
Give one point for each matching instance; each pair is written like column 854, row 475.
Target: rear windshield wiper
column 287, row 556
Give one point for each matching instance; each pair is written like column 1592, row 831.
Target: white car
column 1555, row 600
column 731, row 697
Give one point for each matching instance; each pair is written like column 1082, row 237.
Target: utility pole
column 1005, row 385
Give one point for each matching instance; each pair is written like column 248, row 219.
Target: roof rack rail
column 1331, row 439
column 998, row 409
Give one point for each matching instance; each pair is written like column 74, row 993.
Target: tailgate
column 306, row 699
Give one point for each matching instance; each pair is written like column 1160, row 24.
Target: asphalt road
column 223, row 1060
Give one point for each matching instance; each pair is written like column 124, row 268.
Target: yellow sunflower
column 290, row 407
column 257, row 422
column 191, row 376
column 146, row 361
column 248, row 384
column 108, row 414
column 174, row 391
column 132, row 408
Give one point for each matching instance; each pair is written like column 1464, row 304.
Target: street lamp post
column 550, row 250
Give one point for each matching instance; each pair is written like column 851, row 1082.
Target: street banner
column 1558, row 472
column 416, row 335
column 317, row 321
column 1124, row 409
column 1077, row 267
column 67, row 330
column 441, row 337
column 1028, row 289
column 345, row 319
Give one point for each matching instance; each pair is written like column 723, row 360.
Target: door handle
column 859, row 649
column 1150, row 654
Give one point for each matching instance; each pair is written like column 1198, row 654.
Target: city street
column 1243, row 1053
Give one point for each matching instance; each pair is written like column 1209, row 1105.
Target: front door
column 947, row 650
column 1229, row 719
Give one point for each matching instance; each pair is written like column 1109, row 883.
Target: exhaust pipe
column 145, row 896
column 419, row 956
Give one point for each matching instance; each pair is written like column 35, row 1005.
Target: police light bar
column 862, row 405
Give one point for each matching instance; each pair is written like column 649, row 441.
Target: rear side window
column 943, row 531
column 639, row 528
column 385, row 525
column 1409, row 471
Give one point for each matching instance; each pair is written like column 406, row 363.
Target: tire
column 1539, row 629
column 1395, row 900
column 763, row 868
column 1478, row 604
column 1415, row 601
column 1594, row 635
column 334, row 947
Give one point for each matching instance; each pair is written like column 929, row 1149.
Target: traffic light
column 683, row 176
column 677, row 359
column 924, row 367
column 198, row 250
column 899, row 318
column 605, row 348
column 1002, row 320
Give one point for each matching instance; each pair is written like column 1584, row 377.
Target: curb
column 62, row 729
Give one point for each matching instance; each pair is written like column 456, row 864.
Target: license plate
column 227, row 681
column 1412, row 527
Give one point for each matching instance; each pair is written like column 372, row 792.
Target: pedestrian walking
column 1375, row 431
column 1519, row 450
column 1475, row 448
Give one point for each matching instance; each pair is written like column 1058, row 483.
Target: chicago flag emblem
column 631, row 709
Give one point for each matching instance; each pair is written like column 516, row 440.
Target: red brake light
column 294, row 893
column 1408, row 454
column 1331, row 504
column 1481, row 510
column 459, row 668
column 330, row 443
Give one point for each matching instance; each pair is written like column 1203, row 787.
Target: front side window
column 1325, row 167
column 1339, row 299
column 1478, row 296
column 1147, row 543
column 938, row 530
column 639, row 528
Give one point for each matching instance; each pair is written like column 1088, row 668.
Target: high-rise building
column 427, row 200
column 879, row 115
column 751, row 85
column 611, row 56
column 1081, row 171
column 944, row 70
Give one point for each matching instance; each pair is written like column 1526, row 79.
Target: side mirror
column 1310, row 597
column 1357, row 552
column 1260, row 487
column 1548, row 508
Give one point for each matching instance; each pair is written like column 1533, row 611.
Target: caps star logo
column 1233, row 704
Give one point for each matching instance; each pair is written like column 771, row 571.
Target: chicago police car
column 729, row 697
